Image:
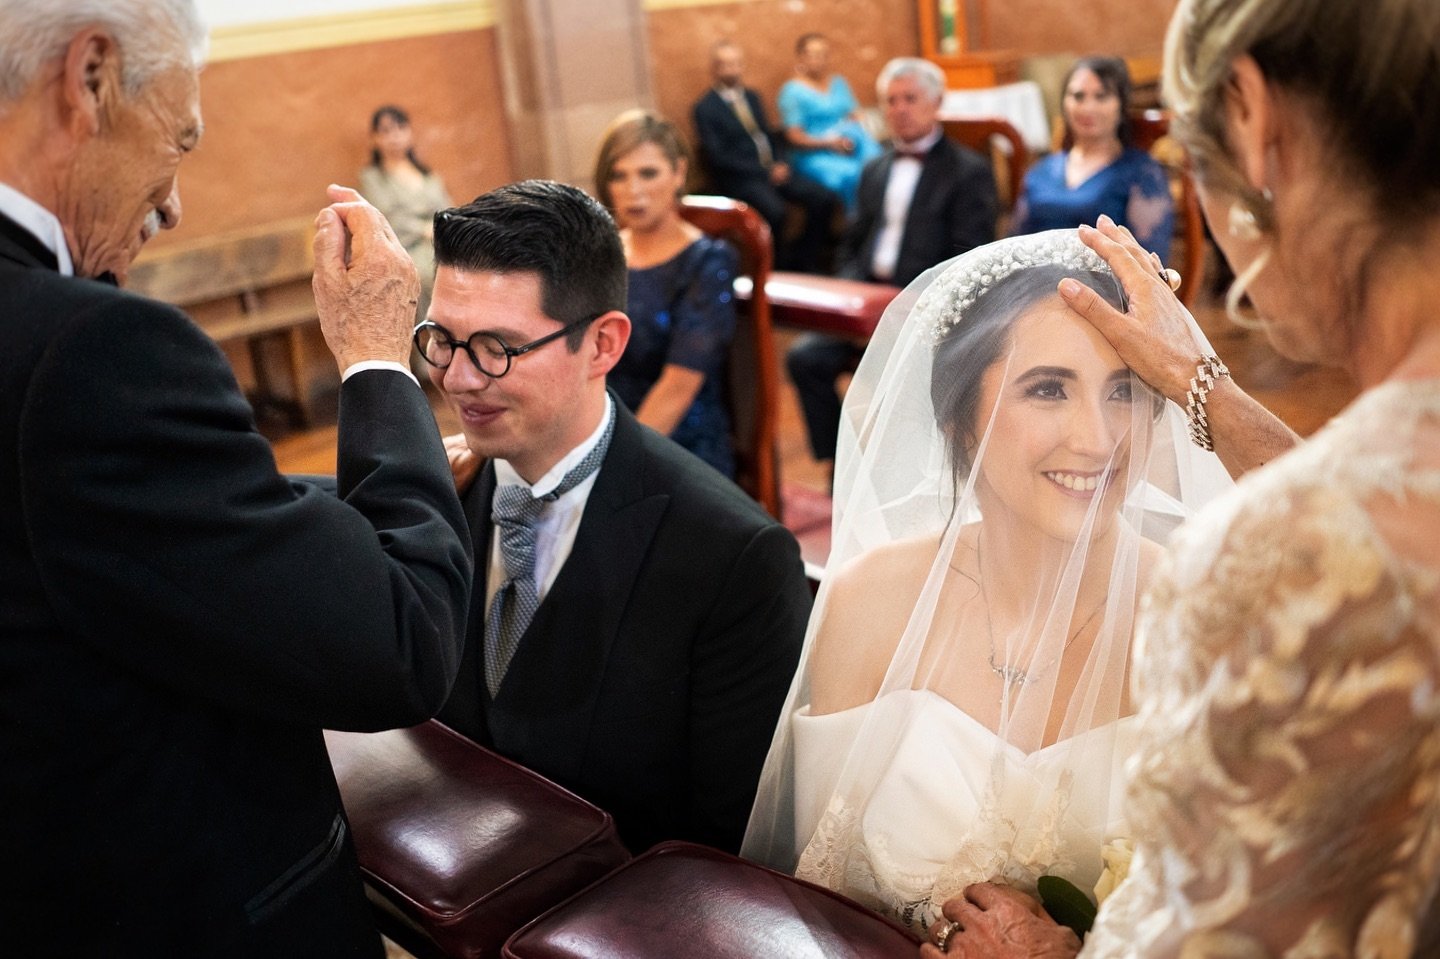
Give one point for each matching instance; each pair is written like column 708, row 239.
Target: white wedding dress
column 945, row 811
column 1002, row 486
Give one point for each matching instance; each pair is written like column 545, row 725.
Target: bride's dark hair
column 971, row 343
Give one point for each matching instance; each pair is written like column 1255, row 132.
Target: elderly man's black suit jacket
column 178, row 622
column 652, row 677
column 953, row 211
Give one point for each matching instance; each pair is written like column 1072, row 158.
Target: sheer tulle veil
column 1003, row 485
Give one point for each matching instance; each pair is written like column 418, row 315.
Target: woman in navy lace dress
column 1099, row 171
column 681, row 301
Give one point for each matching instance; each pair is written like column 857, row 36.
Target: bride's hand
column 993, row 921
column 1154, row 338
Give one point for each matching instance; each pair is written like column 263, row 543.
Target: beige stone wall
column 864, row 34
column 282, row 125
column 1131, row 28
column 279, row 127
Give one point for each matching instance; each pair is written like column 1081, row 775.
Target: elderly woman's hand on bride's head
column 994, row 921
column 1154, row 338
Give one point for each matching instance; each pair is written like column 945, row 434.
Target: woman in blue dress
column 1099, row 170
column 820, row 116
column 681, row 298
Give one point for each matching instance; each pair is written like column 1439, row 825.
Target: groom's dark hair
column 555, row 231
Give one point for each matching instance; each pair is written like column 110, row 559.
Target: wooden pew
column 752, row 376
column 252, row 285
column 823, row 304
column 820, row 304
column 985, row 136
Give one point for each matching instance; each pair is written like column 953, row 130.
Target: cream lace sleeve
column 1286, row 800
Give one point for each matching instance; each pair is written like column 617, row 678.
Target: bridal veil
column 1003, row 485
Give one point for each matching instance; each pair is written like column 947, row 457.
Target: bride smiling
column 1003, row 486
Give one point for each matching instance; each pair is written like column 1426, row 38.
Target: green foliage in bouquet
column 1066, row 904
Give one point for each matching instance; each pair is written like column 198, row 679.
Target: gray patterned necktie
column 514, row 513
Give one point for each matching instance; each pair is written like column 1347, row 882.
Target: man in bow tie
column 636, row 619
column 924, row 200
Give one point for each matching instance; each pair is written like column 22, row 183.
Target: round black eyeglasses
column 490, row 354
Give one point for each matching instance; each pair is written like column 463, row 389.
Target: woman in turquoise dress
column 681, row 294
column 1099, row 171
column 820, row 115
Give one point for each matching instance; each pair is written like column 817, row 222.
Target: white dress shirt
column 39, row 221
column 899, row 193
column 556, row 528
column 354, row 368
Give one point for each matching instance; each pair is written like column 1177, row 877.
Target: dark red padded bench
column 824, row 304
column 461, row 847
column 680, row 900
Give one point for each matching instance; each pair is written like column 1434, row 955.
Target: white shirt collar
column 39, row 221
column 505, row 474
column 925, row 143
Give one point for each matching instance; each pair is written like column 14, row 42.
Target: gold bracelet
column 1207, row 371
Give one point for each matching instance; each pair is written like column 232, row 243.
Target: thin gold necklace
column 1014, row 675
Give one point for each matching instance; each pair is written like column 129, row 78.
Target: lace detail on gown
column 926, row 833
column 1286, row 799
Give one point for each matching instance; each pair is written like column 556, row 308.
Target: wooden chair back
column 752, row 377
column 1150, row 127
column 251, row 285
column 996, row 138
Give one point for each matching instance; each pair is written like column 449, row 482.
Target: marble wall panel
column 570, row 67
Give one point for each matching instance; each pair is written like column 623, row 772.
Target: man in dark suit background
column 178, row 621
column 744, row 158
column 635, row 629
column 924, row 200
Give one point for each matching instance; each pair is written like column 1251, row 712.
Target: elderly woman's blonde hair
column 1367, row 74
column 1371, row 72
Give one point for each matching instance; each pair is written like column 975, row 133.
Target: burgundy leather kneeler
column 459, row 846
column 680, row 899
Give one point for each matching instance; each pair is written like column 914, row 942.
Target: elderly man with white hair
column 924, row 200
column 178, row 621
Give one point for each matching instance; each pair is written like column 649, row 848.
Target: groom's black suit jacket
column 178, row 621
column 652, row 676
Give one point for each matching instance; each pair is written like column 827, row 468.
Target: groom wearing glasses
column 636, row 619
